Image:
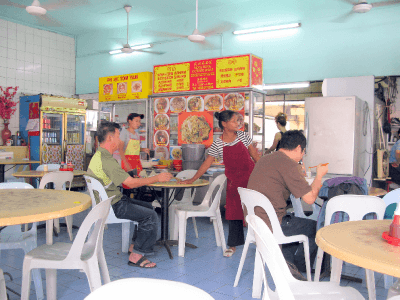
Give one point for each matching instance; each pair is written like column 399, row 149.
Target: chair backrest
column 251, row 199
column 95, row 185
column 148, row 288
column 188, row 194
column 271, row 255
column 218, row 182
column 390, row 198
column 12, row 230
column 84, row 246
column 15, row 185
column 356, row 206
column 50, row 167
column 58, row 178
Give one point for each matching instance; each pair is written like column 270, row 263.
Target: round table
column 361, row 243
column 40, row 174
column 20, row 206
column 14, row 161
column 166, row 186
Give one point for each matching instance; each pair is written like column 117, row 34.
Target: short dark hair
column 105, row 128
column 134, row 115
column 293, row 138
column 224, row 116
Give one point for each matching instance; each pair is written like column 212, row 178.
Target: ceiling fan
column 196, row 36
column 126, row 48
column 39, row 11
column 362, row 7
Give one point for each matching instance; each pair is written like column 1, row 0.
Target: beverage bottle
column 19, row 138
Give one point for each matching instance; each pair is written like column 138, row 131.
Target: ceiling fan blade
column 9, row 3
column 384, row 3
column 65, row 4
column 218, row 29
column 343, row 18
column 206, row 45
column 160, row 33
column 151, row 52
column 46, row 20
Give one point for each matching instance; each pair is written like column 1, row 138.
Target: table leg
column 51, row 274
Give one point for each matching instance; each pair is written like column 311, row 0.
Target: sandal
column 138, row 263
column 229, row 252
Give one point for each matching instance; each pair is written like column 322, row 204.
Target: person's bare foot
column 135, row 260
column 131, row 248
column 229, row 252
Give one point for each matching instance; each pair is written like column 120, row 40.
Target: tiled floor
column 204, row 267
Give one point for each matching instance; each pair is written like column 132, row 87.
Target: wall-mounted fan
column 196, row 36
column 39, row 10
column 363, row 7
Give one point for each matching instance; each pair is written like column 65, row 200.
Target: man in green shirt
column 106, row 169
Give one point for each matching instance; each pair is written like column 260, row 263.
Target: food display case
column 188, row 117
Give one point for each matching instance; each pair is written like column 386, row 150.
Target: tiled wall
column 37, row 61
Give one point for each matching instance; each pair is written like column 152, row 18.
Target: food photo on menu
column 161, row 122
column 234, row 101
column 177, row 105
column 161, row 105
column 136, row 86
column 122, row 87
column 107, row 89
column 195, row 128
column 176, row 153
column 195, row 103
column 240, row 120
column 161, row 138
column 213, row 102
column 161, row 152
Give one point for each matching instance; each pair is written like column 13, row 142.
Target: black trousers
column 394, row 173
column 236, row 233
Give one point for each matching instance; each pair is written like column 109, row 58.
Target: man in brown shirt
column 278, row 175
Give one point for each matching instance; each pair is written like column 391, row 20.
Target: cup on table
column 45, row 168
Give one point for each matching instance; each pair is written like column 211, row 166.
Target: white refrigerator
column 336, row 133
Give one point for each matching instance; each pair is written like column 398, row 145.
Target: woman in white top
column 129, row 148
column 236, row 149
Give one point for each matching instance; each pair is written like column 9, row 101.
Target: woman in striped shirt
column 236, row 149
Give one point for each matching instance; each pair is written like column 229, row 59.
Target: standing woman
column 236, row 149
column 280, row 121
column 129, row 148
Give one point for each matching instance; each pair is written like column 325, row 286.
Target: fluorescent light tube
column 145, row 46
column 268, row 28
column 292, row 85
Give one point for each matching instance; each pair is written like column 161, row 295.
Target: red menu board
column 215, row 73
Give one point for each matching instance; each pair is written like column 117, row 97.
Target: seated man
column 107, row 170
column 278, row 175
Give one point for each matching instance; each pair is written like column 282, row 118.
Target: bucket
column 191, row 164
column 193, row 152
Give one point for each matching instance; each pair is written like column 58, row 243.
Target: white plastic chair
column 148, row 288
column 12, row 237
column 286, row 286
column 208, row 208
column 390, row 198
column 60, row 179
column 94, row 185
column 251, row 199
column 356, row 206
column 85, row 253
column 299, row 212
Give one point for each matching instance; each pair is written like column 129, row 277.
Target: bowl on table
column 161, row 166
column 148, row 163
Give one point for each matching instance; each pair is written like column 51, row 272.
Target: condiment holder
column 393, row 235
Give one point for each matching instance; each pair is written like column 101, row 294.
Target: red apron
column 132, row 154
column 238, row 167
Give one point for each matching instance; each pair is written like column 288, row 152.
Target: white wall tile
column 10, row 81
column 21, row 54
column 45, row 51
column 29, row 38
column 12, row 25
column 3, row 81
column 29, row 47
column 20, row 28
column 37, row 49
column 20, row 45
column 3, row 34
column 3, row 23
column 3, row 52
column 11, row 73
column 20, row 65
column 11, row 53
column 12, row 33
column 12, row 44
column 45, row 42
column 3, row 72
column 29, row 57
column 11, row 63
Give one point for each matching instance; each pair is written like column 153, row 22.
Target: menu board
column 216, row 73
column 125, row 87
column 190, row 120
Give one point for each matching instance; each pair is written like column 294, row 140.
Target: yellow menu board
column 125, row 87
column 208, row 74
column 171, row 78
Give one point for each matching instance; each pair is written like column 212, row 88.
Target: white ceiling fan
column 39, row 10
column 126, row 48
column 196, row 36
column 362, row 7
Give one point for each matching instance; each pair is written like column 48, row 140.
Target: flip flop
column 138, row 263
column 229, row 252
